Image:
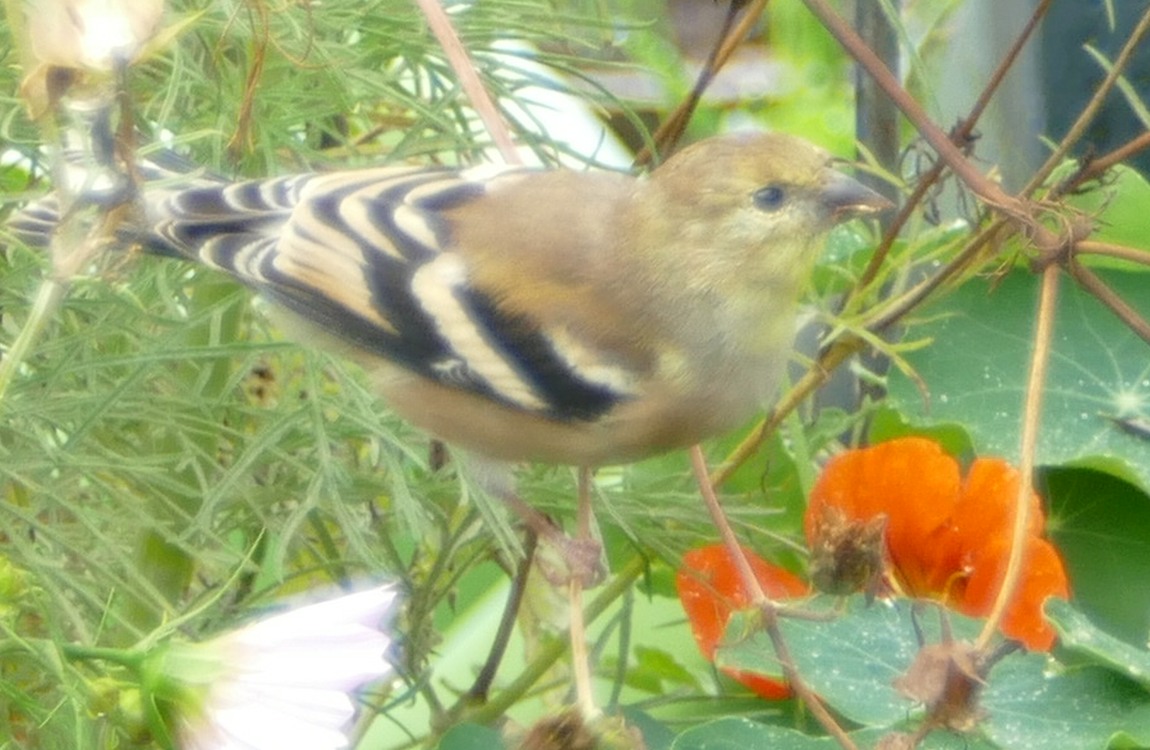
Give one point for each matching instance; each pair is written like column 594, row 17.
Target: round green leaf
column 1101, row 525
column 1030, row 706
column 851, row 660
column 1097, row 392
column 1077, row 633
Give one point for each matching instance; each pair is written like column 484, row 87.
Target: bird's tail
column 96, row 188
column 34, row 224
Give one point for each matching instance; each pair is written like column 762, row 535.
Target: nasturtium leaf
column 471, row 737
column 889, row 424
column 1077, row 633
column 654, row 669
column 656, row 735
column 1031, row 704
column 741, row 734
column 738, row 733
column 852, row 657
column 1097, row 392
column 1101, row 526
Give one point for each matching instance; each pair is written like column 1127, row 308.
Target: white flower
column 284, row 682
column 93, row 34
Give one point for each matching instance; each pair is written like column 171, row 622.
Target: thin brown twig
column 481, row 687
column 553, row 649
column 460, row 61
column 731, row 36
column 798, row 685
column 763, row 603
column 1089, row 281
column 577, row 626
column 914, row 297
column 1003, row 68
column 1098, row 165
column 959, row 136
column 1031, row 418
column 987, row 189
column 1123, row 252
column 743, row 566
column 241, row 142
column 921, row 188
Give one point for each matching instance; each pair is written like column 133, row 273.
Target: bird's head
column 750, row 205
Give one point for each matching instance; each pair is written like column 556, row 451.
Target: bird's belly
column 646, row 426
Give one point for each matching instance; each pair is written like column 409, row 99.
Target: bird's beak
column 845, row 198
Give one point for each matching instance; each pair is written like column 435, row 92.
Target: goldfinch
column 566, row 317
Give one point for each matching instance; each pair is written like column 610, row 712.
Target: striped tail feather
column 368, row 256
column 98, row 186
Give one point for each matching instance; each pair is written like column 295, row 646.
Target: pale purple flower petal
column 284, row 682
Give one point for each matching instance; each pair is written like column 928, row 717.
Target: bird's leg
column 579, row 557
column 560, row 557
column 580, row 658
column 581, row 566
column 579, row 562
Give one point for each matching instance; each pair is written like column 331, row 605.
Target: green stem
column 130, row 658
column 48, row 297
column 554, row 649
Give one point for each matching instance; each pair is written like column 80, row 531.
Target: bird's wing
column 368, row 256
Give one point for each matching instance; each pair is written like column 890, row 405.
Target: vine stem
column 730, row 37
column 985, row 188
column 1031, row 419
column 961, row 135
column 763, row 603
column 473, row 88
column 555, row 648
column 130, row 658
column 1090, row 281
column 1095, row 167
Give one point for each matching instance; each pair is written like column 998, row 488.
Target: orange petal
column 1043, row 575
column 764, row 687
column 986, row 504
column 711, row 591
column 945, row 540
column 913, row 483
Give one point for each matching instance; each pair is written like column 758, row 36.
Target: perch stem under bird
column 556, row 316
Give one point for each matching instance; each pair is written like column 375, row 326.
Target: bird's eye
column 769, row 198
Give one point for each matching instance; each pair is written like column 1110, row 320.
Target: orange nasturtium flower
column 947, row 537
column 710, row 590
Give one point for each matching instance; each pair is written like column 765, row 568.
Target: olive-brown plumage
column 535, row 315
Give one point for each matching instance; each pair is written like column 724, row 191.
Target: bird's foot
column 562, row 559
